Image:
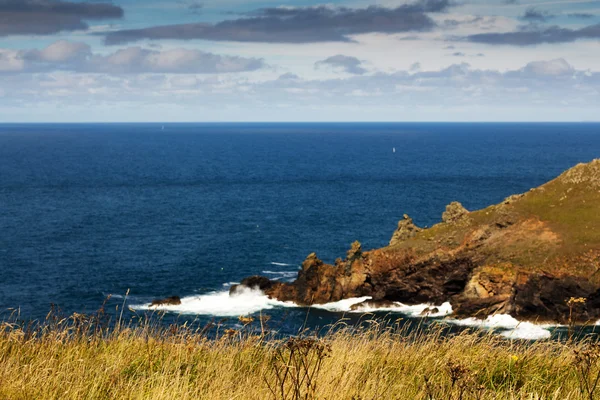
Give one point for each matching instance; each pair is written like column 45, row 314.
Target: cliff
column 525, row 257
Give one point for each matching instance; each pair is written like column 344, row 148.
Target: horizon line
column 286, row 122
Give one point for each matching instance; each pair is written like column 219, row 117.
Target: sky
column 299, row 60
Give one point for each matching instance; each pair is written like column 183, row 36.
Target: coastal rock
column 429, row 311
column 525, row 257
column 406, row 230
column 253, row 282
column 169, row 301
column 588, row 174
column 373, row 304
column 354, row 252
column 454, row 212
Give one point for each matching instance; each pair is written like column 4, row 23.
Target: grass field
column 81, row 358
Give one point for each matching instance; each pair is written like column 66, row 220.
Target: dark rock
column 430, row 281
column 373, row 304
column 429, row 311
column 479, row 307
column 169, row 301
column 253, row 282
column 545, row 297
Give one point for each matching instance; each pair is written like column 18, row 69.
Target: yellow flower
column 576, row 300
column 514, row 358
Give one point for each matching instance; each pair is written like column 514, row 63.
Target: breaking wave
column 249, row 301
column 281, row 264
column 412, row 311
column 245, row 301
column 508, row 326
column 342, row 305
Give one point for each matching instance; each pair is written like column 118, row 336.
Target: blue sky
column 299, row 60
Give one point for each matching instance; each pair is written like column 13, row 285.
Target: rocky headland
column 525, row 257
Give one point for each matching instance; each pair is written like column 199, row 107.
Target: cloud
column 59, row 53
column 193, row 6
column 553, row 34
column 581, row 15
column 552, row 68
column 540, row 90
column 297, row 25
column 78, row 57
column 351, row 65
column 534, row 15
column 289, row 77
column 415, row 67
column 45, row 17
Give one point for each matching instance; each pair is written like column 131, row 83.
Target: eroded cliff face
column 525, row 257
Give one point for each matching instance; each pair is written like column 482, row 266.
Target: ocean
column 91, row 210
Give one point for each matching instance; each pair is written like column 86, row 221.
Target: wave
column 249, row 301
column 281, row 274
column 342, row 305
column 281, row 264
column 412, row 311
column 246, row 301
column 509, row 327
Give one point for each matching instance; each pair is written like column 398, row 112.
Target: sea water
column 88, row 211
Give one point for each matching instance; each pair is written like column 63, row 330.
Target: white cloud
column 78, row 57
column 556, row 67
column 538, row 88
column 59, row 52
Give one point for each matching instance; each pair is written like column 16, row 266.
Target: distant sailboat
column 163, row 127
column 393, row 149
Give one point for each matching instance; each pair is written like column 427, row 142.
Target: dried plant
column 295, row 368
column 574, row 304
column 587, row 368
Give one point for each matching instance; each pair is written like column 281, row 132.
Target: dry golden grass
column 77, row 358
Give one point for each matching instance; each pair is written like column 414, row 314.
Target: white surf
column 245, row 301
column 508, row 326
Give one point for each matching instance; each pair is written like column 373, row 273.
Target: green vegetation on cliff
column 525, row 257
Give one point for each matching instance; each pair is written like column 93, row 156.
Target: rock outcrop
column 253, row 282
column 526, row 257
column 454, row 212
column 406, row 230
column 169, row 301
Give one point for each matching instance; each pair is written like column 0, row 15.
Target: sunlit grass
column 85, row 358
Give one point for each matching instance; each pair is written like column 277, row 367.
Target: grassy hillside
column 68, row 360
column 555, row 227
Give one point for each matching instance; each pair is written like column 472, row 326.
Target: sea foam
column 249, row 301
column 245, row 301
column 412, row 311
column 342, row 305
column 509, row 327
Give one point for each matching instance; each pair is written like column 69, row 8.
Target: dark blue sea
column 88, row 211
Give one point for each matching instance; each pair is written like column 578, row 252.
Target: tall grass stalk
column 86, row 357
